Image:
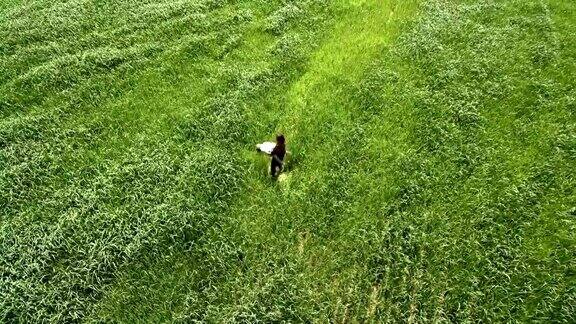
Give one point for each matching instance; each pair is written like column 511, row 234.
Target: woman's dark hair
column 280, row 138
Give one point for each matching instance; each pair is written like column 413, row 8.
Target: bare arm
column 277, row 159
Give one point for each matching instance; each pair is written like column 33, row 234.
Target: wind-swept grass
column 431, row 175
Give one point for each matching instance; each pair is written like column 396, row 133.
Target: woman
column 278, row 154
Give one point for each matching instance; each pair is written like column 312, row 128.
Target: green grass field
column 431, row 177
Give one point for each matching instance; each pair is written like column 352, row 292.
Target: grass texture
column 431, row 175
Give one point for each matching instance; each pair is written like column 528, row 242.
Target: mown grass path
column 296, row 222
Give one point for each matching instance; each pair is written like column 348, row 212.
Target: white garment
column 266, row 147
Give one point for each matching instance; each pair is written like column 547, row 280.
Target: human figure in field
column 278, row 154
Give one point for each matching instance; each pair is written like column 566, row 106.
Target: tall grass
column 430, row 177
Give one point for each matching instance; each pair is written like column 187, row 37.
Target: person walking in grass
column 278, row 154
column 277, row 151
